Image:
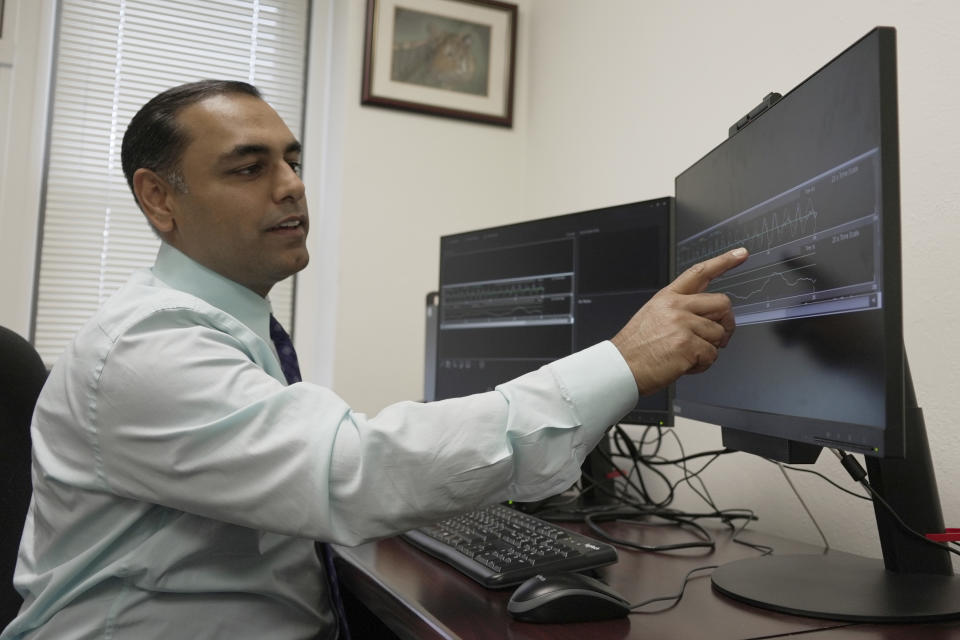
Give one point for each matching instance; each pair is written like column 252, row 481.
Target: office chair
column 22, row 374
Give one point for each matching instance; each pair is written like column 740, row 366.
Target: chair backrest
column 22, row 374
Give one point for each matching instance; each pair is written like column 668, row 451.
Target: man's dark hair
column 155, row 141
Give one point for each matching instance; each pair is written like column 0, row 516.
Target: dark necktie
column 291, row 371
column 288, row 357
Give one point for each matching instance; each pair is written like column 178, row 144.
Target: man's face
column 244, row 214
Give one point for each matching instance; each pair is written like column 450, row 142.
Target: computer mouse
column 566, row 597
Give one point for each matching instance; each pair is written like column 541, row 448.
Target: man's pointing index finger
column 696, row 278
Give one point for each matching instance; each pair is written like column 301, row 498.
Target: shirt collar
column 181, row 272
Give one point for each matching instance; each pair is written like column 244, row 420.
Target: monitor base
column 839, row 586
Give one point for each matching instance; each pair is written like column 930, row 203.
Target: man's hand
column 681, row 328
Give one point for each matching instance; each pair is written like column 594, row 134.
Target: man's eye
column 249, row 170
column 295, row 166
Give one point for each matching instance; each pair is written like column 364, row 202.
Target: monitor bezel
column 890, row 443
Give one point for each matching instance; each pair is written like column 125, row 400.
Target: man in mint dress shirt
column 180, row 482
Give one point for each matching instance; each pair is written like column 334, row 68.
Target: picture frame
column 450, row 58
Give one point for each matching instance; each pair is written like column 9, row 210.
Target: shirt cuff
column 598, row 382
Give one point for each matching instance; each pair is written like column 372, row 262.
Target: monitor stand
column 598, row 479
column 839, row 586
column 913, row 583
column 599, row 490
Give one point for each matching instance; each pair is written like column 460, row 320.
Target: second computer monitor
column 515, row 297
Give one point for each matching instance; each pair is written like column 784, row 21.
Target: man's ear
column 155, row 196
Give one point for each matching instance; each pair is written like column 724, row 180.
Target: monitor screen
column 811, row 189
column 515, row 297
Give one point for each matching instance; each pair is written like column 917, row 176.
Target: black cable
column 715, row 452
column 622, row 498
column 641, row 490
column 621, row 440
column 762, row 548
column 627, row 448
column 858, row 474
column 820, row 475
column 609, row 460
column 687, row 475
column 706, row 541
column 658, row 440
column 904, row 525
column 725, row 514
column 639, row 509
column 676, row 598
column 803, row 503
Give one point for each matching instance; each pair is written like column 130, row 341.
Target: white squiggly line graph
column 783, row 276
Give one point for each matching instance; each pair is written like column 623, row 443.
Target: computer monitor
column 811, row 187
column 515, row 297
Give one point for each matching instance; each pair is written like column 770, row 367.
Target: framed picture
column 452, row 58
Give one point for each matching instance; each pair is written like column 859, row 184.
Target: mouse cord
column 675, row 597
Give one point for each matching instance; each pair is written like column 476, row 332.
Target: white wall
column 394, row 182
column 624, row 95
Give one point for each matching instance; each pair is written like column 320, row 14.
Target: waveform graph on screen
column 533, row 300
column 814, row 248
column 792, row 278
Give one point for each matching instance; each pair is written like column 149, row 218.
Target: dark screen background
column 819, row 378
column 610, row 261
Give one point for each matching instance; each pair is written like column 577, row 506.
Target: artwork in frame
column 452, row 58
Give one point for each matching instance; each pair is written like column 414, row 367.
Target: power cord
column 860, row 475
column 819, row 475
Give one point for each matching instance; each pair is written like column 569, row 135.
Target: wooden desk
column 417, row 596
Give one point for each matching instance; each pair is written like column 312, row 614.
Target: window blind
column 112, row 56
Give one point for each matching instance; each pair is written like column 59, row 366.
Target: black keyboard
column 499, row 547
